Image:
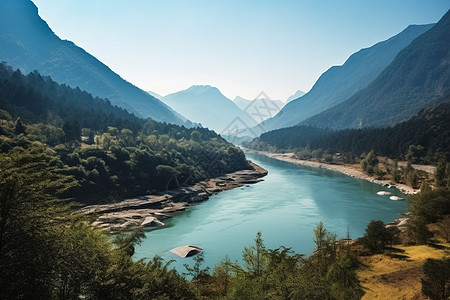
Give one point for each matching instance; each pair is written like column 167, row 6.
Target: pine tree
column 19, row 127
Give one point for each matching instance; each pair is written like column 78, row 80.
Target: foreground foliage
column 436, row 283
column 329, row 273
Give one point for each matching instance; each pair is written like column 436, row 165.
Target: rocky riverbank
column 152, row 210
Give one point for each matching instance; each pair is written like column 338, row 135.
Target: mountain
column 207, row 105
column 261, row 108
column 28, row 43
column 339, row 83
column 297, row 94
column 417, row 78
column 156, row 95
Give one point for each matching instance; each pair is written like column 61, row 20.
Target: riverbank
column 350, row 170
column 151, row 210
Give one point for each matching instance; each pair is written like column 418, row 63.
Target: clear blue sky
column 242, row 47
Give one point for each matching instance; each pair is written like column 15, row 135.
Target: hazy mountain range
column 339, row 83
column 28, row 43
column 207, row 105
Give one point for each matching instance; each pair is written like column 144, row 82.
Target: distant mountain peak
column 204, row 89
column 205, row 104
column 201, row 86
column 156, row 95
column 296, row 95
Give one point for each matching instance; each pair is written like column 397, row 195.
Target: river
column 285, row 207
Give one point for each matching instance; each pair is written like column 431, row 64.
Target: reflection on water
column 285, row 207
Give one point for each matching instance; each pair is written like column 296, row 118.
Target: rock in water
column 383, row 193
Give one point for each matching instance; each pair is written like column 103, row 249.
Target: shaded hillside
column 418, row 77
column 28, row 43
column 338, row 83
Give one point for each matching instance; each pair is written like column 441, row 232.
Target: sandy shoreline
column 289, row 157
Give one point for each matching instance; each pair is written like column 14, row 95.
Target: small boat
column 395, row 198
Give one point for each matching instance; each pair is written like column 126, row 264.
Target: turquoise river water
column 285, row 207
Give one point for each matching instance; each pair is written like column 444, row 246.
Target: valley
column 128, row 130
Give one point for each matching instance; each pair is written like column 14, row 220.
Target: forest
column 112, row 154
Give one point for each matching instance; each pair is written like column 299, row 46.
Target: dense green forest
column 428, row 132
column 112, row 154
